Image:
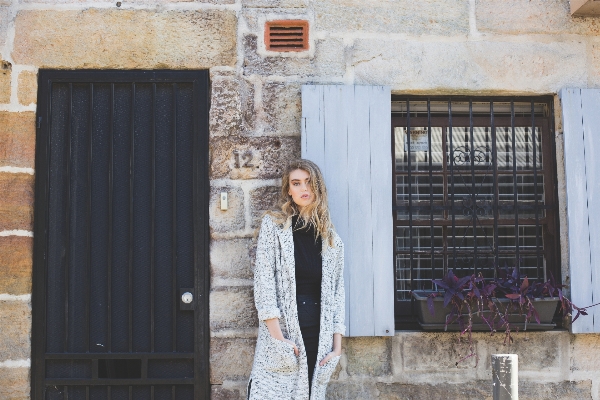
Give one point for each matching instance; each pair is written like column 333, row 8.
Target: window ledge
column 585, row 8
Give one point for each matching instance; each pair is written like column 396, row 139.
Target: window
column 473, row 188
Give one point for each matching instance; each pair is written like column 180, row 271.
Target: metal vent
column 286, row 35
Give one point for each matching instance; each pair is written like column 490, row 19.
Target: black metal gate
column 121, row 233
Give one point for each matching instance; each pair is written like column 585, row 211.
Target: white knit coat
column 277, row 373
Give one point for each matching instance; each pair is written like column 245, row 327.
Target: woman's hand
column 296, row 352
column 337, row 349
column 275, row 332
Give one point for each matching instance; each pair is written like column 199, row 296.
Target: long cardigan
column 277, row 373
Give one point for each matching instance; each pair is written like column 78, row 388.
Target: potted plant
column 507, row 303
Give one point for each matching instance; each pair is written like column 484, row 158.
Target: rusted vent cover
column 286, row 35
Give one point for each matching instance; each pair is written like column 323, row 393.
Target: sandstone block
column 537, row 351
column 16, row 205
column 594, row 63
column 16, row 259
column 15, row 320
column 352, row 390
column 119, row 38
column 275, row 3
column 230, row 359
column 27, row 89
column 479, row 390
column 5, row 80
column 454, row 67
column 4, row 17
column 261, row 200
column 536, row 16
column 328, row 60
column 218, row 392
column 282, row 103
column 368, row 356
column 256, row 157
column 585, row 352
column 232, row 307
column 232, row 258
column 430, row 351
column 575, row 390
column 14, row 383
column 232, row 106
column 17, row 135
column 231, row 219
column 430, row 17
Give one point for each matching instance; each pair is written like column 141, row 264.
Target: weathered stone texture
column 431, row 351
column 15, row 320
column 282, row 103
column 328, row 61
column 232, row 107
column 593, row 64
column 16, row 260
column 218, row 392
column 368, row 356
column 261, row 200
column 231, row 219
column 27, row 89
column 275, row 3
column 537, row 351
column 578, row 390
column 479, row 390
column 267, row 156
column 17, row 135
column 14, row 383
column 4, row 20
column 585, row 354
column 352, row 390
column 115, row 38
column 16, row 204
column 231, row 258
column 458, row 67
column 230, row 359
column 5, row 80
column 531, row 16
column 429, row 17
column 232, row 307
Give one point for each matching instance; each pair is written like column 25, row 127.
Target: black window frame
column 428, row 117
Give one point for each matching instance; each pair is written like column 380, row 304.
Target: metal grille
column 120, row 231
column 286, row 35
column 473, row 189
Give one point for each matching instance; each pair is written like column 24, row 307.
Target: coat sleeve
column 265, row 294
column 339, row 296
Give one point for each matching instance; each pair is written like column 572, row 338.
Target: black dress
column 309, row 272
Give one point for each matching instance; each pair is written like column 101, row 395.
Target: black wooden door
column 121, row 232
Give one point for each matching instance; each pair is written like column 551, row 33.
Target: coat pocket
column 279, row 356
column 322, row 374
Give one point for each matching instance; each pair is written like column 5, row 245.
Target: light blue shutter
column 581, row 125
column 346, row 130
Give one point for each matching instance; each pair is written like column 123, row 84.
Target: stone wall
column 432, row 47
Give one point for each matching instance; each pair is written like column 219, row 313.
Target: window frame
column 405, row 315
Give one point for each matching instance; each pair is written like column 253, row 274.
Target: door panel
column 121, row 229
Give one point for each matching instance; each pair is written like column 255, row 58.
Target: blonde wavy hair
column 317, row 212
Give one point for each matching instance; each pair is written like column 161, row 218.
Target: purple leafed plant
column 470, row 296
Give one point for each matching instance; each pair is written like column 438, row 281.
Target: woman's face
column 300, row 189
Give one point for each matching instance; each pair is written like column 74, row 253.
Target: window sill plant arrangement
column 503, row 304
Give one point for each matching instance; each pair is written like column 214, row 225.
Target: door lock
column 187, row 299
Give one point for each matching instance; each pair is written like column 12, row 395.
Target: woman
column 298, row 291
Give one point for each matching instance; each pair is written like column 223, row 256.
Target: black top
column 307, row 257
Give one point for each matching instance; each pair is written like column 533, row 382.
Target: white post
column 505, row 374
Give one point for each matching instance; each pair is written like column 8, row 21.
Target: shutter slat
column 346, row 131
column 590, row 103
column 577, row 210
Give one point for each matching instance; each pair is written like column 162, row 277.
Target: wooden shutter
column 346, row 131
column 581, row 124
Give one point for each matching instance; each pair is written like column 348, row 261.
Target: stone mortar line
column 230, row 282
column 16, row 232
column 17, row 107
column 473, row 32
column 238, row 234
column 15, row 297
column 17, row 170
column 242, row 29
column 26, row 363
column 14, row 95
column 249, row 183
column 158, row 7
column 247, row 207
column 248, row 333
column 259, row 107
column 7, row 47
column 596, row 388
